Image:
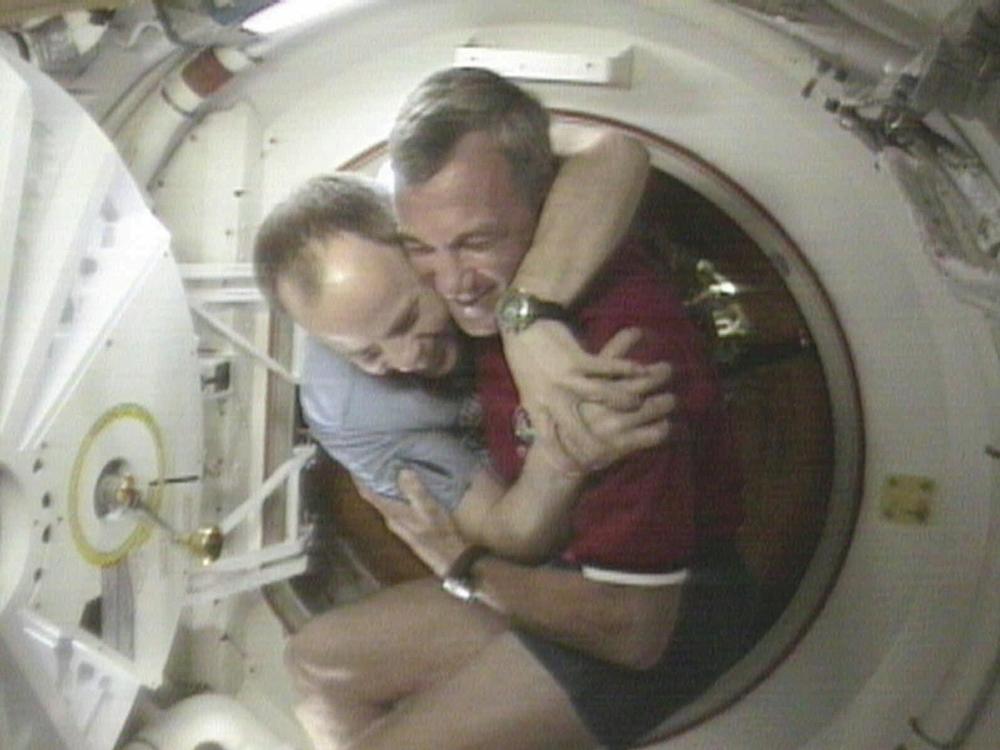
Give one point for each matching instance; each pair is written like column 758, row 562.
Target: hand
column 554, row 375
column 619, row 434
column 576, row 416
column 420, row 522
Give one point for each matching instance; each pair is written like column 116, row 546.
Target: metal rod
column 242, row 343
column 256, row 500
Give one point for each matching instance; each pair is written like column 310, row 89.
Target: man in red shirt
column 592, row 649
column 472, row 168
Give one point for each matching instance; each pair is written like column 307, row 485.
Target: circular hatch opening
column 789, row 385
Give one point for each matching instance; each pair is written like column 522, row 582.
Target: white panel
column 208, row 193
column 123, row 250
column 607, row 69
column 87, row 690
column 15, row 135
column 97, row 331
column 163, row 380
column 46, row 267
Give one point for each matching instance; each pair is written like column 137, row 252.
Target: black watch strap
column 517, row 310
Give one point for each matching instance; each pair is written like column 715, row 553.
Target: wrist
column 458, row 579
column 548, row 468
column 486, row 592
column 518, row 310
column 542, row 284
column 537, row 329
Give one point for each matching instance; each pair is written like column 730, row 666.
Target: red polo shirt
column 651, row 511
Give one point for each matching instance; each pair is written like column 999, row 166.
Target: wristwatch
column 517, row 309
column 458, row 578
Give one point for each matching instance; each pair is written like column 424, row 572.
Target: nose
column 402, row 353
column 448, row 274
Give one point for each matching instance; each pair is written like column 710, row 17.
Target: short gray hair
column 453, row 102
column 287, row 242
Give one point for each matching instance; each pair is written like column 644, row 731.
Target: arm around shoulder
column 587, row 213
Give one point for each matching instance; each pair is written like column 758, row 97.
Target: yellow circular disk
column 128, row 435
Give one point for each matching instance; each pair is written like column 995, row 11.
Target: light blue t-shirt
column 375, row 426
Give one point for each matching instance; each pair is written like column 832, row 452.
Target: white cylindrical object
column 209, row 718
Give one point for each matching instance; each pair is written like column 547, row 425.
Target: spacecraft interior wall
column 910, row 612
column 719, row 91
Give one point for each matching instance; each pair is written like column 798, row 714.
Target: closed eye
column 476, row 242
column 413, row 246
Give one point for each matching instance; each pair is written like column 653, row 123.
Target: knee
column 300, row 665
column 314, row 655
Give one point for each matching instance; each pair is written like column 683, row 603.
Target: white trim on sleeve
column 604, row 575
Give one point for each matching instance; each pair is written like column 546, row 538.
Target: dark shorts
column 714, row 629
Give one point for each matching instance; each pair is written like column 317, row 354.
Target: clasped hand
column 589, row 409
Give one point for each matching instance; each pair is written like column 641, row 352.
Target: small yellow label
column 907, row 498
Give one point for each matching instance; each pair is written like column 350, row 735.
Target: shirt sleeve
column 645, row 513
column 377, row 426
column 443, row 462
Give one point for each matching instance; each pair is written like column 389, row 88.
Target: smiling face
column 466, row 230
column 374, row 310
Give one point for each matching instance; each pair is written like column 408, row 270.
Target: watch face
column 518, row 309
column 514, row 313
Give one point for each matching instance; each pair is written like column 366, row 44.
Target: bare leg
column 501, row 698
column 352, row 664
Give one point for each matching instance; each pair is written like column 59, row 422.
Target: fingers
column 619, row 383
column 610, row 362
column 587, row 437
column 620, row 344
column 382, row 504
column 600, row 366
column 626, row 432
column 413, row 489
column 586, row 450
column 615, row 393
column 653, row 378
column 410, row 485
column 392, row 512
column 626, row 394
column 653, row 408
column 644, row 437
column 607, row 423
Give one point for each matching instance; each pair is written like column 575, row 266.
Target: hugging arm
column 586, row 214
column 530, row 520
column 625, row 625
column 527, row 521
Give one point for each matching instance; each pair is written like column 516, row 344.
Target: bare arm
column 586, row 214
column 530, row 520
column 527, row 521
column 626, row 625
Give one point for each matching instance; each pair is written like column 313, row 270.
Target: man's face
column 374, row 310
column 467, row 229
